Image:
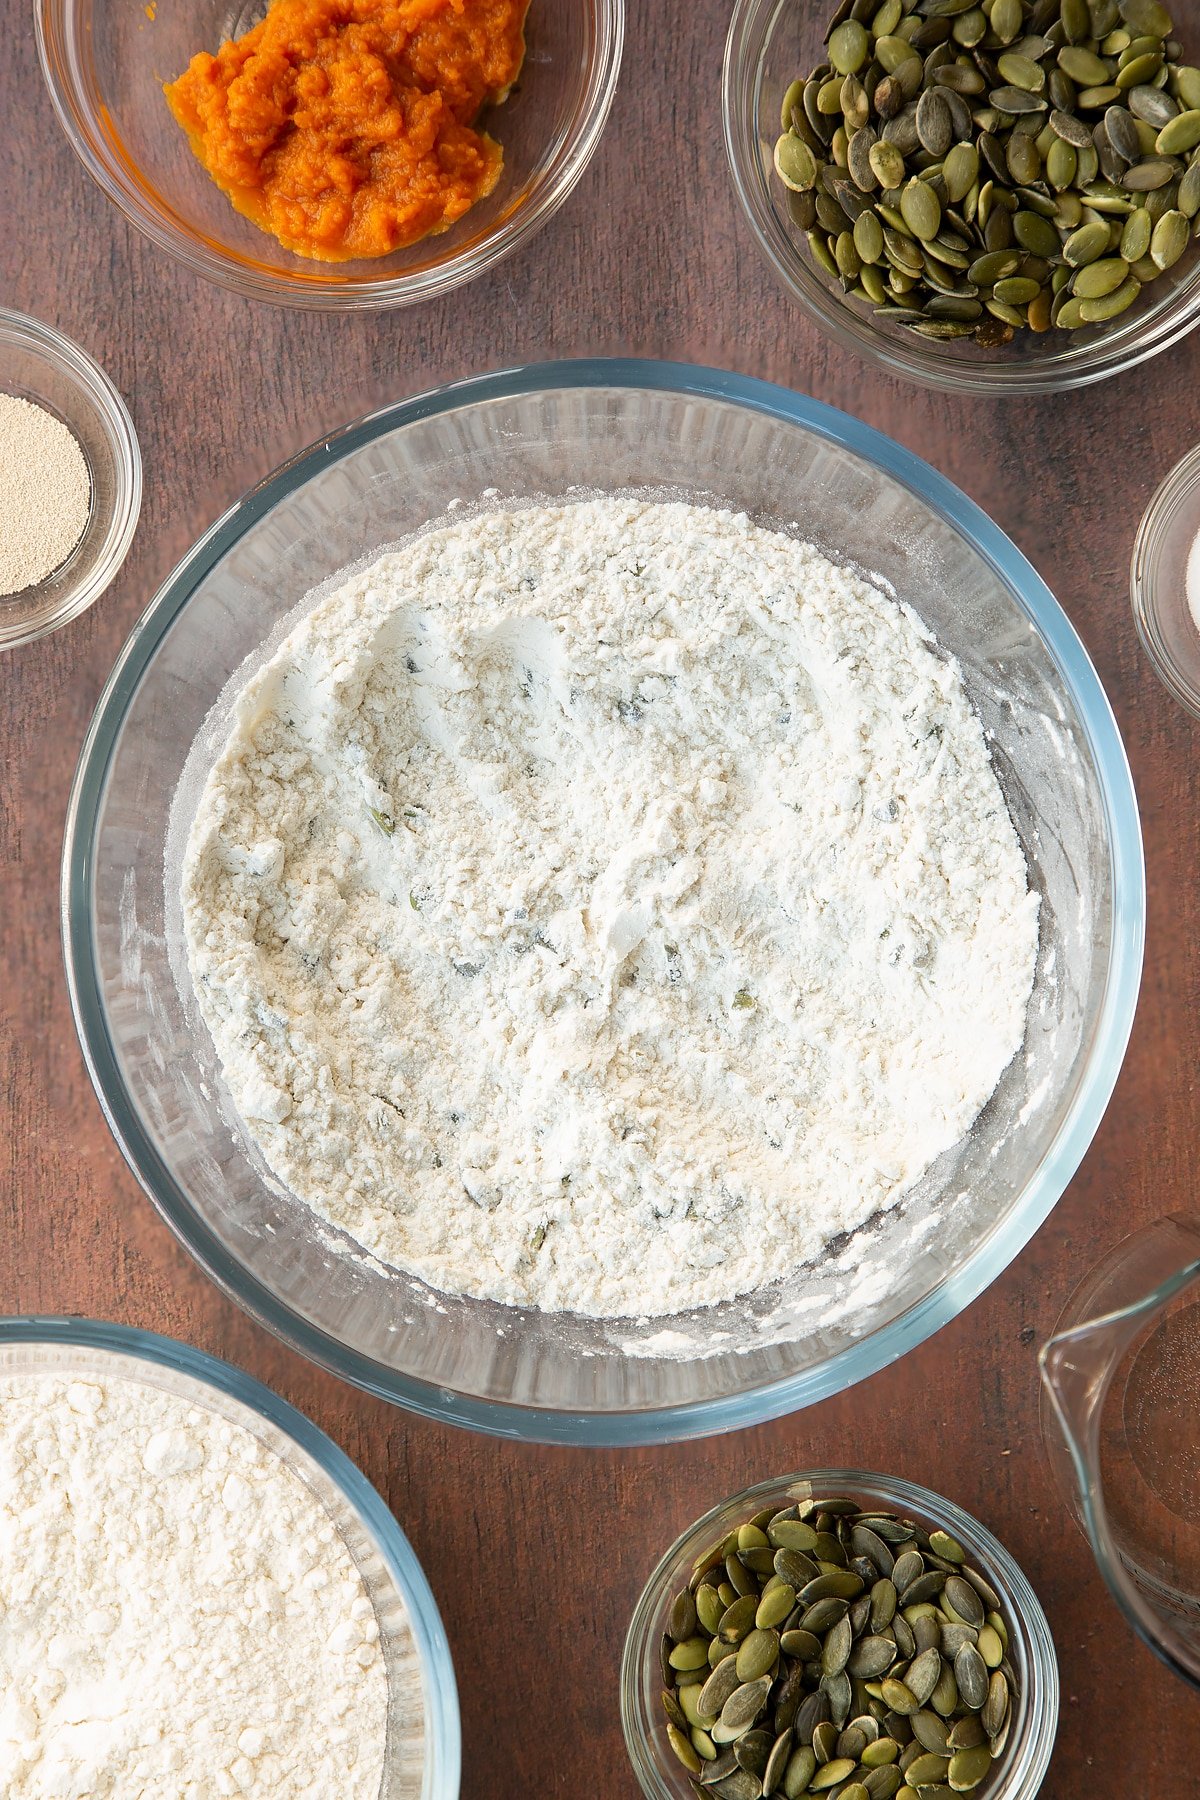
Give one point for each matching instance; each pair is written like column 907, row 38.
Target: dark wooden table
column 536, row 1556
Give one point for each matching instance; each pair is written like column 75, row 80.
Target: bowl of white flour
column 201, row 1593
column 605, row 902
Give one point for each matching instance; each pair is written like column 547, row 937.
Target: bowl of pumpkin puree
column 334, row 153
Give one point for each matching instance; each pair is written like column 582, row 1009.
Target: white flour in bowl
column 604, row 906
column 179, row 1617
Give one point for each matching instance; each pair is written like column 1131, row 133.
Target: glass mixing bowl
column 1017, row 1775
column 770, row 43
column 105, row 62
column 39, row 364
column 551, row 430
column 424, row 1749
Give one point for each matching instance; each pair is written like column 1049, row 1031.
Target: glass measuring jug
column 1121, row 1420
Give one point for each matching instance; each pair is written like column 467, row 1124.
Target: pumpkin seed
column 1170, row 240
column 927, row 1771
column 995, row 1707
column 1110, row 306
column 970, row 1670
column 1098, row 278
column 968, row 1768
column 777, row 1762
column 799, row 1772
column 682, row 1745
column 831, row 1774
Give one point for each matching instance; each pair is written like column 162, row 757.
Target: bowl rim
column 854, row 330
column 443, row 1737
column 774, row 1397
column 315, row 287
column 1176, row 487
column 100, row 393
column 1043, row 1695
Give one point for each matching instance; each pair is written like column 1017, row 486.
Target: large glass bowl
column 703, row 436
column 424, row 1747
column 770, row 43
column 105, row 62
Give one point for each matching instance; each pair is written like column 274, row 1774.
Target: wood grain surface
column 537, row 1555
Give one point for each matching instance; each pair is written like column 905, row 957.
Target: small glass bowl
column 1158, row 581
column 1031, row 1648
column 424, row 1745
column 105, row 63
column 38, row 363
column 771, row 42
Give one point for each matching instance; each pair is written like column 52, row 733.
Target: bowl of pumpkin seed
column 985, row 195
column 844, row 1635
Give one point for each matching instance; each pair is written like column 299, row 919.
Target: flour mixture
column 179, row 1618
column 604, row 906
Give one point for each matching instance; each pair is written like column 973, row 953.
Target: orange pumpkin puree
column 345, row 128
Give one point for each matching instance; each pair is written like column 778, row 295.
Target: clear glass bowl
column 424, row 1749
column 38, row 363
column 105, row 62
column 1031, row 1648
column 770, row 43
column 1158, row 580
column 552, row 430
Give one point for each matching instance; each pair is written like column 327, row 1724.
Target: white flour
column 692, row 929
column 179, row 1618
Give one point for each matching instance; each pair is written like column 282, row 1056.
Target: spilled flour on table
column 603, row 906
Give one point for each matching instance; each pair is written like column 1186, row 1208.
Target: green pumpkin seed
column 777, row 1762
column 882, row 1783
column 1145, row 177
column 921, row 209
column 995, row 1706
column 684, row 1750
column 1021, row 72
column 931, row 1732
column 1181, row 135
column 1038, row 236
column 1185, row 85
column 1146, row 17
column 1140, row 72
column 831, row 1774
column 1008, row 19
column 1110, row 306
column 738, row 1618
column 1018, row 290
column 849, row 47
column 1098, row 278
column 968, row 1768
column 757, row 1652
column 944, row 1698
column 681, row 1620
column 1083, row 66
column 799, row 1772
column 1135, row 236
column 868, row 237
column 1170, row 239
column 1188, row 199
column 883, row 1751
column 927, row 1771
column 899, row 1698
column 795, row 164
column 691, row 1654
